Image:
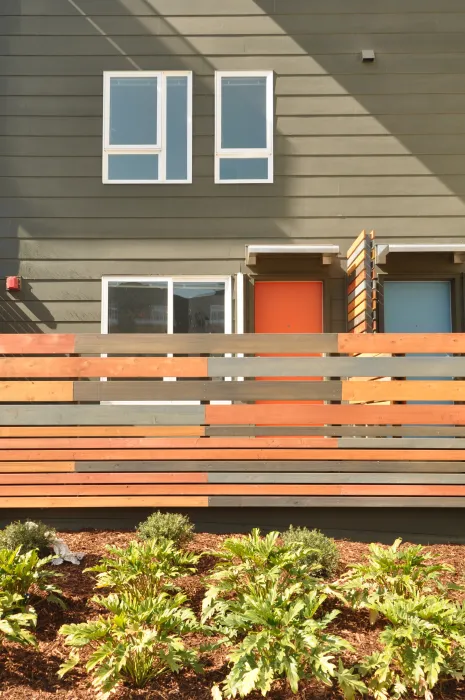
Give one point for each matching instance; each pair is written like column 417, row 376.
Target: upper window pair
column 147, row 127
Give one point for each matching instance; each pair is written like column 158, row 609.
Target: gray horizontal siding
column 357, row 146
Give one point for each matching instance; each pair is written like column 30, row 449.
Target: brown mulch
column 28, row 673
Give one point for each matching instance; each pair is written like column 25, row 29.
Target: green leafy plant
column 264, row 601
column 253, row 558
column 423, row 644
column 16, row 619
column 143, row 568
column 166, row 526
column 138, row 641
column 28, row 535
column 325, row 554
column 401, row 571
column 26, row 574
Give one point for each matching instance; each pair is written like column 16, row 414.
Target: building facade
column 206, row 165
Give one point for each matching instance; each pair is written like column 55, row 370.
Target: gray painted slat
column 369, row 431
column 46, row 414
column 403, row 443
column 337, row 478
column 250, row 466
column 336, row 502
column 206, row 391
column 336, row 366
column 207, row 343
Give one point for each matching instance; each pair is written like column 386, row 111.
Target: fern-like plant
column 16, row 619
column 26, row 573
column 400, row 571
column 423, row 643
column 143, row 568
column 138, row 640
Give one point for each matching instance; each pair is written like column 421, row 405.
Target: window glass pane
column 243, row 112
column 131, row 166
column 243, row 168
column 199, row 307
column 133, row 111
column 176, row 128
column 138, row 307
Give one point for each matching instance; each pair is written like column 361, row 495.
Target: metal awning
column 383, row 250
column 326, row 252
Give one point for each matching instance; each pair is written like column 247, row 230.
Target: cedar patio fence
column 368, row 430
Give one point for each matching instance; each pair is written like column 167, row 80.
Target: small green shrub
column 325, row 554
column 26, row 574
column 143, row 568
column 28, row 535
column 166, row 526
column 15, row 619
column 138, row 641
column 423, row 644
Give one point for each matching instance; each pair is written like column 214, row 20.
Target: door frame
column 457, row 306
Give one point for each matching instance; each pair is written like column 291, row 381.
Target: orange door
column 289, row 307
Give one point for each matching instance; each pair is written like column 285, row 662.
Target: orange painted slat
column 398, row 343
column 104, row 502
column 215, row 454
column 64, row 367
column 36, row 391
column 163, row 443
column 235, row 489
column 304, row 414
column 33, row 467
column 107, row 478
column 361, row 237
column 395, row 390
column 36, row 344
column 103, row 431
column 355, row 282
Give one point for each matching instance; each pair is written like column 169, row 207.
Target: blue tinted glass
column 133, row 167
column 243, row 112
column 176, row 128
column 244, row 169
column 133, row 111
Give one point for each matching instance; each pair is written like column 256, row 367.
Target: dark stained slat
column 335, row 502
column 101, row 415
column 332, row 478
column 269, row 466
column 206, row 391
column 336, row 367
column 206, row 343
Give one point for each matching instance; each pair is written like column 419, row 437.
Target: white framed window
column 147, row 127
column 151, row 304
column 243, row 127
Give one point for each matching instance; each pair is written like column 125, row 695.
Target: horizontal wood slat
column 335, row 502
column 347, row 343
column 299, row 414
column 103, row 501
column 206, row 391
column 40, row 491
column 396, row 390
column 118, row 367
column 106, row 443
column 233, row 454
column 104, row 431
column 244, row 465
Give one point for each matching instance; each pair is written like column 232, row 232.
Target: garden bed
column 26, row 672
